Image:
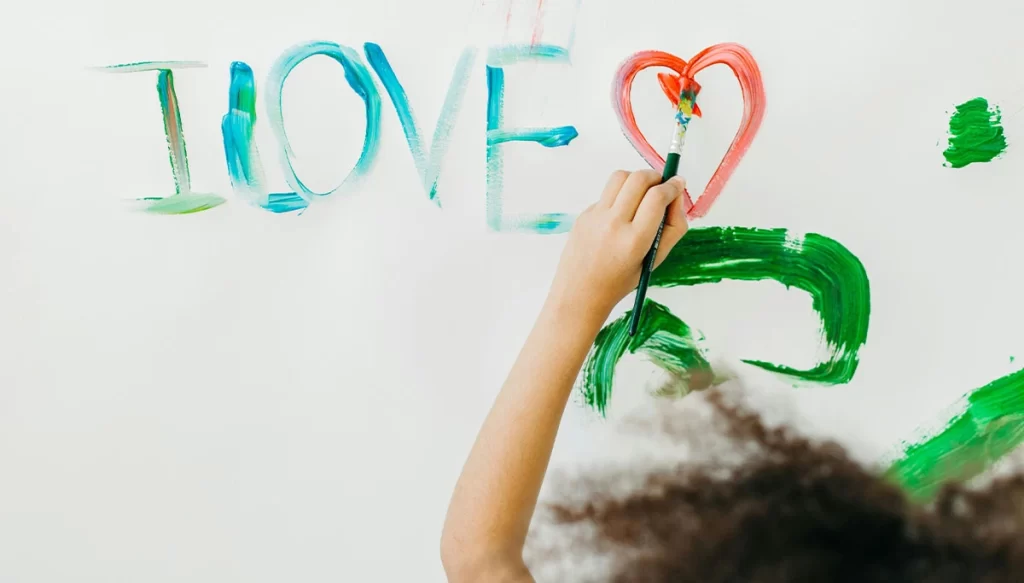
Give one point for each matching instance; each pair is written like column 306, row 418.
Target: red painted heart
column 747, row 73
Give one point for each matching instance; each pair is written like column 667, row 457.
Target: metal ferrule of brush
column 678, row 137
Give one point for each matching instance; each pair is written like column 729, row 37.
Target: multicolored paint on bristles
column 685, row 110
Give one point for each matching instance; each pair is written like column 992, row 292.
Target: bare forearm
column 494, row 499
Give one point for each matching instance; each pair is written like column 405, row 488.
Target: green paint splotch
column 662, row 337
column 975, row 134
column 822, row 267
column 988, row 424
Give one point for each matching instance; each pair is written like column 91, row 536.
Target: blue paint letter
column 497, row 135
column 184, row 200
column 428, row 167
column 243, row 158
column 358, row 77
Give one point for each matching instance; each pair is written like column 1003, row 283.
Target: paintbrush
column 684, row 113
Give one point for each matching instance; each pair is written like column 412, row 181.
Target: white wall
column 239, row 396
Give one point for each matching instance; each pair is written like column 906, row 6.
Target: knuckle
column 589, row 215
column 587, row 218
column 664, row 193
column 650, row 174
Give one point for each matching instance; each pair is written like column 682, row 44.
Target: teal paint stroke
column 662, row 337
column 140, row 66
column 428, row 166
column 505, row 55
column 825, row 269
column 497, row 135
column 361, row 82
column 547, row 137
column 245, row 168
column 184, row 200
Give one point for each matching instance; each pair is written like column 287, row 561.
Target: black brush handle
column 671, row 168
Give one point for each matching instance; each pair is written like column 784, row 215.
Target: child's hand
column 601, row 261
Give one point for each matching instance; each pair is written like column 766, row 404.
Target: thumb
column 675, row 227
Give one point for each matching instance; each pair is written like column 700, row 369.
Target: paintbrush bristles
column 684, row 113
column 685, row 110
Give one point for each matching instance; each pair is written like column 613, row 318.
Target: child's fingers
column 654, row 205
column 612, row 188
column 675, row 227
column 633, row 191
column 675, row 215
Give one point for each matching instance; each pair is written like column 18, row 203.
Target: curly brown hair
column 804, row 511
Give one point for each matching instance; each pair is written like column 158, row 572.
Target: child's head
column 785, row 509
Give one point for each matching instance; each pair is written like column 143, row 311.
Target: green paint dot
column 1013, row 358
column 975, row 134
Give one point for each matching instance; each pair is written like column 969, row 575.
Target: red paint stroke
column 538, row 26
column 743, row 66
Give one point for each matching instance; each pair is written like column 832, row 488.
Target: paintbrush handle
column 684, row 113
column 671, row 168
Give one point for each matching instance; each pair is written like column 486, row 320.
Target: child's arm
column 495, row 497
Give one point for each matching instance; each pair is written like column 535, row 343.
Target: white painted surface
column 239, row 396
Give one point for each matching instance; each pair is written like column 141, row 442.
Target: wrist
column 586, row 315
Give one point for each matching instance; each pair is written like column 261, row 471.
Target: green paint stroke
column 662, row 337
column 975, row 134
column 990, row 424
column 822, row 267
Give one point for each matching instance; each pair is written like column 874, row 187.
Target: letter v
column 429, row 168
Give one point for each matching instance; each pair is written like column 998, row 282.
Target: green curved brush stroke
column 975, row 134
column 664, row 338
column 822, row 267
column 989, row 424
